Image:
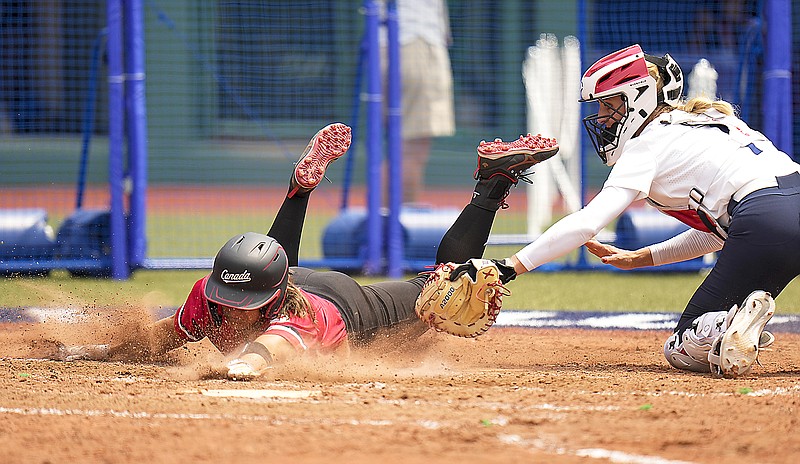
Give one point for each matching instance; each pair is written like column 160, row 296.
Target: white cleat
column 736, row 350
column 765, row 340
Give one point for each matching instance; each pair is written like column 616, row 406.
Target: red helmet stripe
column 616, row 56
column 621, row 75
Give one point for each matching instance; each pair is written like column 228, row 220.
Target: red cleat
column 328, row 145
column 512, row 159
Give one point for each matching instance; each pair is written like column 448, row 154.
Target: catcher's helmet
column 671, row 88
column 251, row 271
column 624, row 74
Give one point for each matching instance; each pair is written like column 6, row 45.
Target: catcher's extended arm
column 466, row 306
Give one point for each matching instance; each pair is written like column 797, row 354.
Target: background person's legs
column 415, row 161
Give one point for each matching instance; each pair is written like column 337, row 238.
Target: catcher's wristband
column 506, row 268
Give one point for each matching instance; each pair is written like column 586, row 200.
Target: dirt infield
column 513, row 395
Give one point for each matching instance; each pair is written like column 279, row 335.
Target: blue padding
column 85, row 236
column 640, row 227
column 26, row 241
column 344, row 239
column 24, row 227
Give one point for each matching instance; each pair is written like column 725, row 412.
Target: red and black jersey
column 323, row 333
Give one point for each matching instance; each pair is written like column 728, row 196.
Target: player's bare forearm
column 617, row 257
column 281, row 350
column 259, row 356
column 137, row 344
column 152, row 341
column 519, row 268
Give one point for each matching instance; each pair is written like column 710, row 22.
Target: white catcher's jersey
column 678, row 155
column 682, row 162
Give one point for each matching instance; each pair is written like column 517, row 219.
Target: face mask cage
column 605, row 139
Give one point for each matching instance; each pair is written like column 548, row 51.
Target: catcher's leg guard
column 694, row 351
column 734, row 352
column 689, row 351
column 327, row 145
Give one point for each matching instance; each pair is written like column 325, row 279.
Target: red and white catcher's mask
column 624, row 74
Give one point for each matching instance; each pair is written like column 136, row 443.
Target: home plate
column 256, row 394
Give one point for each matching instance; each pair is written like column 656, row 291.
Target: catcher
column 259, row 307
column 696, row 161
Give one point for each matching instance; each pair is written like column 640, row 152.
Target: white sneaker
column 736, row 350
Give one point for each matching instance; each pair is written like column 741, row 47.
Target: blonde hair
column 695, row 105
column 701, row 104
column 652, row 69
column 295, row 304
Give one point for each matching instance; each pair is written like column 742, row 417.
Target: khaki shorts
column 427, row 90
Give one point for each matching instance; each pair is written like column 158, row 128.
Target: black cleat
column 512, row 159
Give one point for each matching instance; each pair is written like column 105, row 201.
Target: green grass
column 193, row 234
column 199, row 235
column 164, row 288
column 604, row 291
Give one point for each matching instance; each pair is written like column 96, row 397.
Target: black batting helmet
column 251, row 271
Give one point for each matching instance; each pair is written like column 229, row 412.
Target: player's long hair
column 296, row 304
column 695, row 105
column 701, row 104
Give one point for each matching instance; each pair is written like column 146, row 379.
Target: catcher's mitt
column 466, row 306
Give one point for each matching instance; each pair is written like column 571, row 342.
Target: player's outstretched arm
column 575, row 229
column 137, row 345
column 150, row 342
column 260, row 355
column 617, row 257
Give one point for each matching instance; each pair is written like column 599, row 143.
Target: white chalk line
column 181, row 416
column 547, row 407
column 538, row 444
column 595, row 453
column 534, row 444
column 779, row 391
